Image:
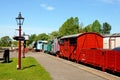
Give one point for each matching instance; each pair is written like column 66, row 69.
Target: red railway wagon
column 71, row 46
column 93, row 57
column 112, row 60
column 117, row 63
column 67, row 47
column 105, row 59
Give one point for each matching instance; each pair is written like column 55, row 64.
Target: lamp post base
column 18, row 67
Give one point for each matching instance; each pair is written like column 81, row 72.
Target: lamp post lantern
column 20, row 21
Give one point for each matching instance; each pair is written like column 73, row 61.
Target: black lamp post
column 20, row 21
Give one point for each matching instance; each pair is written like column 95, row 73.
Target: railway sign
column 19, row 38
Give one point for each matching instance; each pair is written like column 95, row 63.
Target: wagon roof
column 42, row 41
column 71, row 36
column 76, row 35
column 112, row 35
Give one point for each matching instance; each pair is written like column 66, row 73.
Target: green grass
column 30, row 70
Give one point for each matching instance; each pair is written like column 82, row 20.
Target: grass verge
column 30, row 70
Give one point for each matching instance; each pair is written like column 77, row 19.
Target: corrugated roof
column 112, row 35
column 71, row 36
column 116, row 34
column 76, row 35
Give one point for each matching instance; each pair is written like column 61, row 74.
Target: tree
column 5, row 41
column 15, row 43
column 96, row 26
column 53, row 34
column 81, row 28
column 71, row 26
column 42, row 36
column 87, row 28
column 31, row 38
column 106, row 28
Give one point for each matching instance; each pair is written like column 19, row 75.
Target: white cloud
column 47, row 7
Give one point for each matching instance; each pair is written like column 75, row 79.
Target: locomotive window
column 73, row 41
column 61, row 41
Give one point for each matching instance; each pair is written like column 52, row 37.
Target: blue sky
column 45, row 16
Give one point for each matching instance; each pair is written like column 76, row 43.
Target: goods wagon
column 71, row 46
column 93, row 57
column 44, row 46
column 112, row 60
column 68, row 45
column 40, row 45
column 53, row 47
column 111, row 41
column 104, row 59
column 49, row 47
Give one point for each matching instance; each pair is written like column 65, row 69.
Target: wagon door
column 112, row 42
column 66, row 48
column 73, row 46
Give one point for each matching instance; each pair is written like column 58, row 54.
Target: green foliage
column 34, row 37
column 81, row 28
column 87, row 28
column 71, row 26
column 96, row 26
column 42, row 36
column 5, row 41
column 106, row 28
column 31, row 38
column 53, row 34
column 15, row 43
column 30, row 70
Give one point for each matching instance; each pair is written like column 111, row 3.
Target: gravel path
column 60, row 70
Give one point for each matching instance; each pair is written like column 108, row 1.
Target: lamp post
column 20, row 21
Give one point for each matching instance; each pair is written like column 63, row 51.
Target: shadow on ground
column 28, row 67
column 3, row 61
